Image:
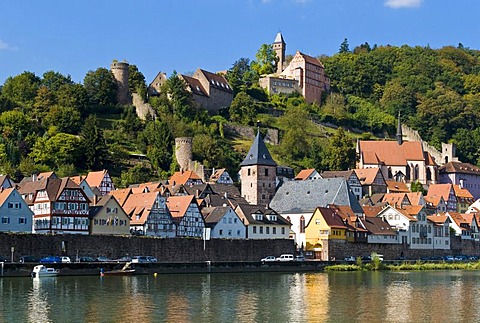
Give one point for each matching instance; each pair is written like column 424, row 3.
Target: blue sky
column 73, row 37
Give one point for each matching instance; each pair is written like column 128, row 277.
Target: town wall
column 143, row 109
column 339, row 249
column 164, row 249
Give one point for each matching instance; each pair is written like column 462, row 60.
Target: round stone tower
column 183, row 152
column 120, row 72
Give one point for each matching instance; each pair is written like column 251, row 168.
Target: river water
column 433, row 296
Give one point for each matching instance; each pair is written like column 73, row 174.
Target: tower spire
column 399, row 131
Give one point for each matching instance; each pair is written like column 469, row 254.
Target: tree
column 60, row 149
column 340, row 152
column 54, row 80
column 93, row 144
column 158, row 142
column 344, row 47
column 22, row 88
column 140, row 173
column 136, row 81
column 266, row 60
column 73, row 96
column 65, row 119
column 417, row 187
column 295, row 144
column 243, row 109
column 180, row 97
column 241, row 76
column 101, row 87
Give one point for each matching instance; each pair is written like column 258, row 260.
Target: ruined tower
column 120, row 72
column 279, row 47
column 183, row 152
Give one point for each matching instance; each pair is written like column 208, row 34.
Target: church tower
column 258, row 173
column 279, row 47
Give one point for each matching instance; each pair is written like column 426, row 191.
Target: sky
column 74, row 37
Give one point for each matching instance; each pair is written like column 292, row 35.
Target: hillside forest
column 50, row 122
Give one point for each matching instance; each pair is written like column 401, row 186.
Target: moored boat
column 125, row 271
column 42, row 271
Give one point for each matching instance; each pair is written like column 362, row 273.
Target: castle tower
column 258, row 174
column 279, row 47
column 120, row 72
column 183, row 152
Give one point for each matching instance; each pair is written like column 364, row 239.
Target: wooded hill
column 53, row 123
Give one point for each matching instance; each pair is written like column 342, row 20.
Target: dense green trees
column 101, row 87
column 266, row 60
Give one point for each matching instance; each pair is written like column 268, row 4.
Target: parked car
column 152, row 259
column 24, row 259
column 461, row 257
column 3, row 259
column 350, row 258
column 103, row 259
column 51, row 260
column 65, row 260
column 268, row 259
column 285, row 257
column 124, row 259
column 86, row 259
column 448, row 258
column 140, row 260
column 299, row 258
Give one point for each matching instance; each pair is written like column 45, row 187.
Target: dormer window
column 258, row 216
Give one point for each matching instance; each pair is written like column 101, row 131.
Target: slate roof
column 215, row 214
column 333, row 174
column 217, row 81
column 195, row 85
column 458, row 167
column 245, row 211
column 279, row 38
column 258, row 154
column 306, row 196
column 377, row 226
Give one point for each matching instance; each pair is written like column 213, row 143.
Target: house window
column 266, row 171
column 22, row 220
column 261, row 230
column 229, row 232
column 5, row 220
column 268, row 230
column 274, row 230
column 248, row 172
column 254, row 229
column 220, row 232
column 10, row 205
column 283, row 230
column 238, row 232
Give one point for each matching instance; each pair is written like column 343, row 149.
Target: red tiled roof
column 94, row 179
column 183, row 177
column 304, row 174
column 178, row 205
column 139, row 204
column 390, row 152
column 397, row 187
column 310, row 59
column 371, row 211
column 462, row 192
column 367, row 175
column 442, row 190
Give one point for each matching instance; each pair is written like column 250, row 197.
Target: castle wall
column 143, row 109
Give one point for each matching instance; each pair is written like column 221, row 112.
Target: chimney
column 34, row 177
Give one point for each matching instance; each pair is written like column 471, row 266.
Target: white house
column 262, row 222
column 224, row 223
column 441, row 231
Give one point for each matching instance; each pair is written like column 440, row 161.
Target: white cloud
column 5, row 46
column 403, row 3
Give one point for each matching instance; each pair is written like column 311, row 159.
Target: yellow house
column 324, row 225
column 108, row 217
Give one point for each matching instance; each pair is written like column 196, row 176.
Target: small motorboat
column 42, row 271
column 125, row 271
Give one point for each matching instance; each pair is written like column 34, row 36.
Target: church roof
column 391, row 153
column 258, row 154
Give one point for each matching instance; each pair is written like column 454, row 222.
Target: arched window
column 302, row 224
column 407, row 173
column 429, row 174
column 416, row 172
column 390, row 175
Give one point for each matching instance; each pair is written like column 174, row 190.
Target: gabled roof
column 391, row 153
column 306, row 196
column 178, row 205
column 395, row 199
column 258, row 154
column 415, row 197
column 245, row 211
column 377, row 226
column 367, row 175
column 371, row 211
column 217, row 81
column 462, row 192
column 103, row 200
column 331, row 217
column 397, row 187
column 433, row 200
column 121, row 194
column 458, row 167
column 52, row 185
column 344, row 174
column 215, row 214
column 438, row 219
column 413, row 210
column 139, row 204
column 460, row 219
column 183, row 177
column 216, row 175
column 304, row 174
column 94, row 179
column 4, row 194
column 442, row 190
column 310, row 59
column 195, row 86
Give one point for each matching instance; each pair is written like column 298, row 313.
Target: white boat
column 42, row 271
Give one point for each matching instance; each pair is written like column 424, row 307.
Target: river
column 433, row 296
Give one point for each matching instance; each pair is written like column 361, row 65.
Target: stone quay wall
column 164, row 249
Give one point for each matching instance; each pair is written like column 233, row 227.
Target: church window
column 302, row 224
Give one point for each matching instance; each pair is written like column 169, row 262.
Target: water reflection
column 253, row 297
